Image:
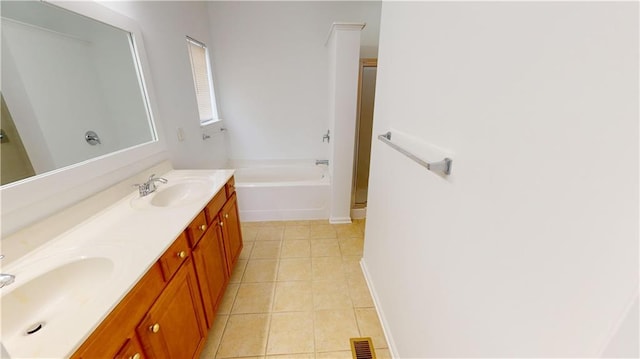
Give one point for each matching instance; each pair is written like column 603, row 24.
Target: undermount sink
column 171, row 195
column 43, row 303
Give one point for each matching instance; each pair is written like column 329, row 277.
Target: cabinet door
column 132, row 349
column 211, row 269
column 231, row 231
column 174, row 326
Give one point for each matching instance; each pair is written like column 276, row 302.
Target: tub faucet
column 6, row 279
column 322, row 162
column 150, row 186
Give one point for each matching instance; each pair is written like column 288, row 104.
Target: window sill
column 209, row 123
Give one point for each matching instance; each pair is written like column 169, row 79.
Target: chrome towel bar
column 443, row 167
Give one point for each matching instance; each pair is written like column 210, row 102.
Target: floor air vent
column 362, row 348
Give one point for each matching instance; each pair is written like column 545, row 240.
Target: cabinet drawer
column 230, row 187
column 174, row 256
column 132, row 349
column 215, row 205
column 196, row 229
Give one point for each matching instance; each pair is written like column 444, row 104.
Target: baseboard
column 359, row 213
column 339, row 220
column 376, row 304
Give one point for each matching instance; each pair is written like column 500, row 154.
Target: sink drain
column 34, row 328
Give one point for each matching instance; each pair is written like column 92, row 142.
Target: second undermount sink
column 43, row 303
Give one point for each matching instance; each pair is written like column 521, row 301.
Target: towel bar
column 443, row 166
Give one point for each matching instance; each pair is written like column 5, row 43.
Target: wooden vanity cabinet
column 174, row 327
column 132, row 349
column 211, row 269
column 230, row 224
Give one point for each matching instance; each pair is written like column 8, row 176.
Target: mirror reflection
column 71, row 90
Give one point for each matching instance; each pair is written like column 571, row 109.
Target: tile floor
column 297, row 292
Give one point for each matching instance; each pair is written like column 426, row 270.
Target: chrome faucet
column 6, row 279
column 150, row 186
column 322, row 162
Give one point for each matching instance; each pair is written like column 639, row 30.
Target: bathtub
column 283, row 192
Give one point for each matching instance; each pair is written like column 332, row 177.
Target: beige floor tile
column 297, row 223
column 351, row 246
column 331, row 294
column 318, row 221
column 293, row 356
column 359, row 292
column 266, row 249
column 251, row 224
column 291, row 333
column 238, row 271
column 249, row 233
column 321, row 231
column 369, row 326
column 270, row 234
column 244, row 335
column 296, row 249
column 293, row 297
column 335, row 355
column 228, row 298
column 260, row 270
column 294, row 269
column 273, row 224
column 333, row 328
column 325, row 248
column 351, row 266
column 383, row 354
column 326, row 268
column 253, row 298
column 350, row 230
column 246, row 250
column 296, row 232
column 213, row 337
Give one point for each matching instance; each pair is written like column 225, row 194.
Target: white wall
column 165, row 26
column 271, row 68
column 530, row 247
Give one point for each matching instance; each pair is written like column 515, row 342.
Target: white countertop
column 131, row 237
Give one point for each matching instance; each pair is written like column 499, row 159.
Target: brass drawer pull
column 135, row 356
column 182, row 254
column 221, row 224
column 226, row 215
column 203, row 227
column 154, row 328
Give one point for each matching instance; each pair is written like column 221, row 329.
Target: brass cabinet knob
column 182, row 254
column 154, row 328
column 221, row 224
column 203, row 227
column 226, row 215
column 135, row 356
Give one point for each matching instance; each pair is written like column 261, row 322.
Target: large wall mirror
column 77, row 106
column 71, row 91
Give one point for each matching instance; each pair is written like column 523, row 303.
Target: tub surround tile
column 244, row 335
column 260, row 270
column 293, row 297
column 291, row 269
column 325, row 248
column 298, row 248
column 291, row 333
column 266, row 250
column 254, row 298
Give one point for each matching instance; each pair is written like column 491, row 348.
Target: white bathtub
column 283, row 192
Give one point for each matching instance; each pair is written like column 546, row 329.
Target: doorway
column 364, row 132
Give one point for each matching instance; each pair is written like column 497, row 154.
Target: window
column 201, row 70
